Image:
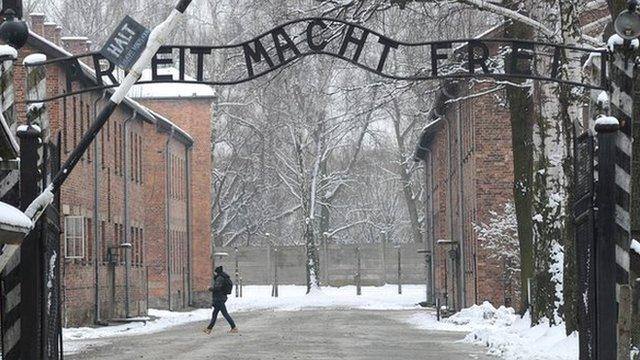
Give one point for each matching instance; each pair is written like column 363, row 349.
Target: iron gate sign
column 126, row 44
column 360, row 46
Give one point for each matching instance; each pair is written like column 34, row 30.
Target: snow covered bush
column 484, row 315
column 499, row 237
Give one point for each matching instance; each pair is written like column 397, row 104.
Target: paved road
column 301, row 335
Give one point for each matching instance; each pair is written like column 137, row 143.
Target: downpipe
column 156, row 39
column 168, row 214
column 96, row 226
column 127, row 233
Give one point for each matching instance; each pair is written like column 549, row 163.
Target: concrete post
column 237, row 272
column 358, row 272
column 274, row 290
column 399, row 271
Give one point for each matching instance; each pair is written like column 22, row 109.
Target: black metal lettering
column 100, row 72
column 200, row 51
column 313, row 46
column 73, row 73
column 349, row 38
column 555, row 65
column 154, row 65
column 278, row 33
column 516, row 55
column 482, row 60
column 181, row 65
column 435, row 56
column 251, row 55
column 388, row 44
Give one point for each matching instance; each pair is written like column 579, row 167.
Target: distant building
column 469, row 174
column 145, row 182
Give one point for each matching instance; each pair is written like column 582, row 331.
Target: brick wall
column 193, row 115
column 472, row 175
column 145, row 177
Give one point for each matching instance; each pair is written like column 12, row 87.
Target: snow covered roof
column 14, row 224
column 166, row 124
column 170, row 90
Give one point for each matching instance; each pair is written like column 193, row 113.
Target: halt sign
column 126, row 44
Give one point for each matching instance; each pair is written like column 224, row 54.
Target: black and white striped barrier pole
column 156, row 39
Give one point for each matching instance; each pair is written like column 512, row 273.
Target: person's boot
column 234, row 330
column 207, row 331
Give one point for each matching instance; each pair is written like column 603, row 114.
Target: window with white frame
column 74, row 237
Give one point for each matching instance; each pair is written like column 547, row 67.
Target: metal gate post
column 605, row 244
column 584, row 233
column 31, row 252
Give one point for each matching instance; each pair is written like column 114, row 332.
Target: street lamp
column 627, row 23
column 13, row 31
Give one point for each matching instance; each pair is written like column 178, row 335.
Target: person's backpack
column 227, row 285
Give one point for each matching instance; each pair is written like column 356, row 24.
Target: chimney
column 75, row 44
column 57, row 34
column 37, row 23
column 50, row 31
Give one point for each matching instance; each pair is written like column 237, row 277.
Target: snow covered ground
column 291, row 298
column 504, row 333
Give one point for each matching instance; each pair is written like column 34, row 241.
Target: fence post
column 237, row 271
column 399, row 271
column 358, row 272
column 605, row 245
column 274, row 290
column 31, row 250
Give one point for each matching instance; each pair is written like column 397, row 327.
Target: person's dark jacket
column 218, row 286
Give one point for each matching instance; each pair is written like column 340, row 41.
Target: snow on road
column 292, row 298
column 504, row 333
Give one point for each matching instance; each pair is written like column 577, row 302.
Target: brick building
column 134, row 213
column 469, row 174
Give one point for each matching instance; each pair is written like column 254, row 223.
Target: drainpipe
column 187, row 185
column 96, row 205
column 456, row 279
column 449, row 207
column 463, row 263
column 431, row 230
column 127, row 249
column 168, row 214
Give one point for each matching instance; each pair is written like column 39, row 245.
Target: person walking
column 222, row 286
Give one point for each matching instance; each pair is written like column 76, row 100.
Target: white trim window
column 74, row 237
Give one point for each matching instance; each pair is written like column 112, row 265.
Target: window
column 101, row 147
column 103, row 241
column 89, row 237
column 141, row 246
column 65, row 124
column 88, row 117
column 75, row 123
column 140, row 159
column 109, row 194
column 115, row 149
column 81, row 111
column 74, row 240
column 133, row 157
